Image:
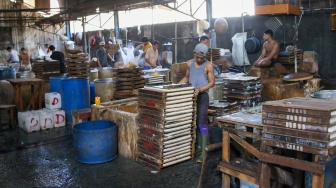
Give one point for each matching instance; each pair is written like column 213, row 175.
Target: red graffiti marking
column 55, row 101
column 58, row 118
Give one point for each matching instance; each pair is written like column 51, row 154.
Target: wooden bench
column 10, row 109
column 80, row 114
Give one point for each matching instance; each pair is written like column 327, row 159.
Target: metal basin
column 325, row 94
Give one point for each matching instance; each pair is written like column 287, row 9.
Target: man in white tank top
column 200, row 73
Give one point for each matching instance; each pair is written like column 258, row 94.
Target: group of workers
column 200, row 72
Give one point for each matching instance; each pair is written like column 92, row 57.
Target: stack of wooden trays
column 289, row 58
column 246, row 90
column 224, row 108
column 167, row 124
column 78, row 65
column 149, row 79
column 46, row 69
column 215, row 54
column 300, row 124
column 127, row 81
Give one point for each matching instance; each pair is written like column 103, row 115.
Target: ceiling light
column 14, row 1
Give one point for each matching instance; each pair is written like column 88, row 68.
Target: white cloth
column 239, row 54
column 14, row 56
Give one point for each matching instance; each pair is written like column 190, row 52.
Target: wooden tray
column 299, row 125
column 303, row 106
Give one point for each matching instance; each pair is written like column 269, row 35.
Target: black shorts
column 273, row 62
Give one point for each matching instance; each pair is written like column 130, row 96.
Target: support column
column 209, row 10
column 84, row 33
column 116, row 24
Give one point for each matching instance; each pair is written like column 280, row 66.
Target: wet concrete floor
column 47, row 159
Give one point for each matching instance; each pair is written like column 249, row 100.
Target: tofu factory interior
column 168, row 93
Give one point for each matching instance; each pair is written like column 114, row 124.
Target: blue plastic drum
column 75, row 94
column 95, row 141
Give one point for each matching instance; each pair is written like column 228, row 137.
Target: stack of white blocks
column 49, row 117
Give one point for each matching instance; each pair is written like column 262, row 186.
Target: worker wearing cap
column 144, row 47
column 200, row 73
column 102, row 55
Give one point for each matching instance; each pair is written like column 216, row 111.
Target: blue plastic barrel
column 95, row 141
column 92, row 93
column 7, row 73
column 75, row 94
column 55, row 83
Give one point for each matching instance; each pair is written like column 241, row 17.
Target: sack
column 238, row 49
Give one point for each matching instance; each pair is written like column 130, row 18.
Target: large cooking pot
column 252, row 45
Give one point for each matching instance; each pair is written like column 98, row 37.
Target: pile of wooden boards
column 246, row 90
column 215, row 53
column 167, row 124
column 224, row 108
column 78, row 65
column 127, row 81
column 289, row 58
column 301, row 124
column 46, row 69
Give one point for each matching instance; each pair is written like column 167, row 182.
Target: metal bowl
column 325, row 94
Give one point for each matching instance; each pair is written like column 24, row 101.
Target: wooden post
column 226, row 157
column 318, row 179
column 265, row 176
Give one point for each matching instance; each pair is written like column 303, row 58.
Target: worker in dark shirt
column 57, row 55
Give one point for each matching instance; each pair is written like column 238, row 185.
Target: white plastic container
column 59, row 118
column 53, row 100
column 46, row 120
column 29, row 121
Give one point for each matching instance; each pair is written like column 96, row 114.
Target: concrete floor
column 47, row 159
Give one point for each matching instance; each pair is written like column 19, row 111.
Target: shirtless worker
column 200, row 73
column 270, row 51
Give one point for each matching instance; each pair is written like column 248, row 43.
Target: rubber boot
column 198, row 146
column 204, row 142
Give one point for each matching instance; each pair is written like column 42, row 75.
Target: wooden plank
column 299, row 134
column 299, row 118
column 265, row 176
column 304, row 106
column 210, row 176
column 292, row 163
column 277, row 9
column 298, row 125
column 238, row 175
column 295, row 147
column 226, row 146
column 243, row 118
column 244, row 133
column 249, row 148
column 297, row 141
column 250, row 169
column 318, row 179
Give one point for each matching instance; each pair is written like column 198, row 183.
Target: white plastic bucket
column 53, row 100
column 46, row 120
column 29, row 121
column 59, row 118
